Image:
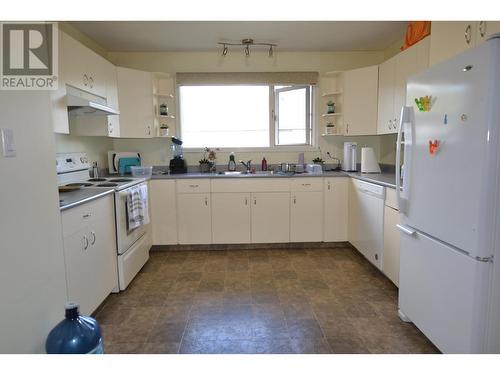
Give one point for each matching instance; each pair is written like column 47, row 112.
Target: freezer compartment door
column 442, row 291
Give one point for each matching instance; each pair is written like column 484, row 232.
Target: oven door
column 125, row 238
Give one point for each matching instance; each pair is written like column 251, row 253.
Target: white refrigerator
column 449, row 199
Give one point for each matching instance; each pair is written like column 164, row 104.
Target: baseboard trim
column 254, row 246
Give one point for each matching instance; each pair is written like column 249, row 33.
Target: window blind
column 247, row 78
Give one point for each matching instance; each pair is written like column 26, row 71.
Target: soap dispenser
column 263, row 166
column 231, row 166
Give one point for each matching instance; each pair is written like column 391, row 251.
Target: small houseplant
column 207, row 163
column 318, row 160
column 330, row 128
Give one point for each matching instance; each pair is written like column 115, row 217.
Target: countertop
column 384, row 179
column 80, row 196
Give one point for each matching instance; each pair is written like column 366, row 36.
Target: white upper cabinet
column 485, row 29
column 386, row 92
column 135, row 95
column 393, row 75
column 449, row 38
column 82, row 67
column 103, row 126
column 360, row 95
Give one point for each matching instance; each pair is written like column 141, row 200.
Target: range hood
column 82, row 103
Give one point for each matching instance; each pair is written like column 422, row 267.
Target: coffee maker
column 177, row 164
column 350, row 162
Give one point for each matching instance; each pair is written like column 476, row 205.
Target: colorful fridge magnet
column 434, row 146
column 425, row 103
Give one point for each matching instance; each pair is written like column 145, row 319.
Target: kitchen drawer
column 77, row 217
column 391, row 199
column 306, row 184
column 193, row 186
column 250, row 185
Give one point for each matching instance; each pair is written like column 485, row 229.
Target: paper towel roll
column 368, row 161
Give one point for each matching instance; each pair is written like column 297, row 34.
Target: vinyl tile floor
column 258, row 301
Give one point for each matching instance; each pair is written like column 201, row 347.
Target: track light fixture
column 247, row 43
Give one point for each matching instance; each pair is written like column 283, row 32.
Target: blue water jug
column 76, row 334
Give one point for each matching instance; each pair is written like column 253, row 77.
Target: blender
column 177, row 164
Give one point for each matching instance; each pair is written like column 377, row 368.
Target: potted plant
column 163, row 130
column 318, row 160
column 207, row 163
column 330, row 107
column 204, row 165
column 330, row 128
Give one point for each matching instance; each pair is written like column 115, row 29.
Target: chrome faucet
column 247, row 165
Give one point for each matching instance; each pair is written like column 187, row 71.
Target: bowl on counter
column 144, row 172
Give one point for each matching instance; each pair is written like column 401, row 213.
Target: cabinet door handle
column 91, row 82
column 85, row 80
column 206, row 201
column 390, row 124
column 329, row 187
column 294, row 199
column 92, row 241
column 85, row 243
column 246, row 201
column 85, row 216
column 482, row 28
column 255, row 201
column 468, row 34
column 148, row 130
column 347, row 129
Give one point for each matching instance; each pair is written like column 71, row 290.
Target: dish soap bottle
column 263, row 165
column 231, row 166
column 76, row 334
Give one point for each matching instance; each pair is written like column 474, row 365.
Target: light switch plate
column 8, row 143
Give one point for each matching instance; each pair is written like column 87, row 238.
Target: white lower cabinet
column 90, row 252
column 306, row 210
column 270, row 217
column 194, row 218
column 391, row 245
column 335, row 209
column 391, row 237
column 163, row 212
column 231, row 218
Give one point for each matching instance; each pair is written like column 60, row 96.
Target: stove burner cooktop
column 97, row 179
column 121, row 180
column 107, row 184
column 83, row 184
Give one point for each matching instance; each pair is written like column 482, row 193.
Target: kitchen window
column 245, row 114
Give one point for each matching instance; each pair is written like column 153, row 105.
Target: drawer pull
column 85, row 216
column 193, row 186
column 92, row 241
column 85, row 243
column 306, row 185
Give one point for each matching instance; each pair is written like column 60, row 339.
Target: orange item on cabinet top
column 415, row 32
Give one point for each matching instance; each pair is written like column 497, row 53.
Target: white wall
column 32, row 279
column 96, row 147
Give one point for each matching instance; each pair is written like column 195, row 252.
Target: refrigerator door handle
column 402, row 187
column 406, row 229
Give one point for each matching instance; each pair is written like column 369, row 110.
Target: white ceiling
column 204, row 35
